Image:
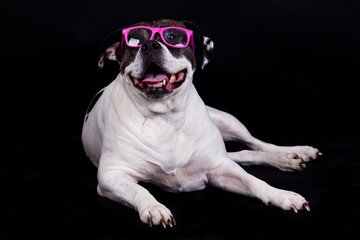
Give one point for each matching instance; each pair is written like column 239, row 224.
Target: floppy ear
column 110, row 47
column 204, row 46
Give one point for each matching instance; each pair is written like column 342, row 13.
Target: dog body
column 167, row 151
column 151, row 125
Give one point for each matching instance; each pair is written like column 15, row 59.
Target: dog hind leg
column 233, row 130
column 284, row 161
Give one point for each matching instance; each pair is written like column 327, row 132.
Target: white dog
column 151, row 125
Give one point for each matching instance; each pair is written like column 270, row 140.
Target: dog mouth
column 156, row 82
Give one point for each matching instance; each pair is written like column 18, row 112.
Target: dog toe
column 157, row 215
column 289, row 201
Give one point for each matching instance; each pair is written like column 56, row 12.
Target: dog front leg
column 120, row 187
column 231, row 177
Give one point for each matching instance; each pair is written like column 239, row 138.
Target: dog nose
column 150, row 46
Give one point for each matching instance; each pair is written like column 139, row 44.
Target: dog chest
column 166, row 147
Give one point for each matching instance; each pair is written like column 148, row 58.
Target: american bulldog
column 151, row 125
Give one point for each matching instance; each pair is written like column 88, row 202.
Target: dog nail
column 173, row 220
column 150, row 221
column 306, row 206
column 319, row 153
column 163, row 223
column 294, row 208
column 169, row 223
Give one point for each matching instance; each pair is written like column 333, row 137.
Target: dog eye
column 175, row 37
column 171, row 36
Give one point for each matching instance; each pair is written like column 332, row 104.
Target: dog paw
column 287, row 162
column 307, row 153
column 156, row 215
column 289, row 201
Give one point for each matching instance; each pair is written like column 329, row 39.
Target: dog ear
column 208, row 48
column 204, row 46
column 109, row 47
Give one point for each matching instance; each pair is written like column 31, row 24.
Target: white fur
column 209, row 45
column 177, row 143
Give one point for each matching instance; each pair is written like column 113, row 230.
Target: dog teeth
column 157, row 84
column 172, row 78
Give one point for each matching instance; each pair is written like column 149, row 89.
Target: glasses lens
column 175, row 37
column 138, row 36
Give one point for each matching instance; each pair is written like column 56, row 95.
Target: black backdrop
column 289, row 70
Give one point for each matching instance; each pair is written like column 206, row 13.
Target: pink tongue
column 149, row 77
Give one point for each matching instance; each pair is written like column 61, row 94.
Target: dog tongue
column 150, row 77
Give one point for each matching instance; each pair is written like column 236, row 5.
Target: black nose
column 150, row 46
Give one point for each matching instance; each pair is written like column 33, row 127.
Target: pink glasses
column 175, row 37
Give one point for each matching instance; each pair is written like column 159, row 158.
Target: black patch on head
column 198, row 42
column 129, row 53
column 128, row 56
column 187, row 52
column 92, row 103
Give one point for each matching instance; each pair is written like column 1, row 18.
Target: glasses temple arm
column 121, row 47
column 192, row 41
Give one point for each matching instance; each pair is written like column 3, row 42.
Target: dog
column 150, row 125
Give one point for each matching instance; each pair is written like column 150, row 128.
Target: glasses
column 175, row 37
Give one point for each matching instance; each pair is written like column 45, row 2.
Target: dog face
column 156, row 70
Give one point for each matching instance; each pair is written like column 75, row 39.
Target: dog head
column 155, row 63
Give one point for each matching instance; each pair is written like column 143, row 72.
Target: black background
column 289, row 70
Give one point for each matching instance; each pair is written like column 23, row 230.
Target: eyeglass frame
column 159, row 30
